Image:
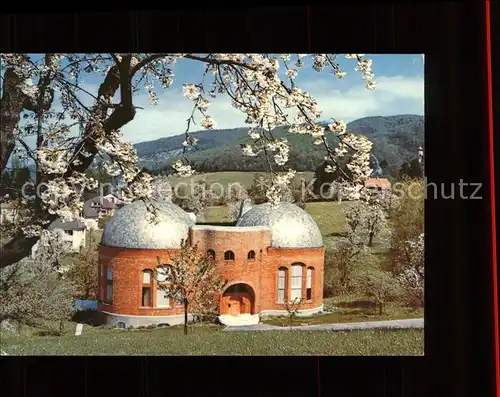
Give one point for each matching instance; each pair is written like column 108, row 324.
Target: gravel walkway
column 389, row 324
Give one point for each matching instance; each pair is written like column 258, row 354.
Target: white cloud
column 393, row 95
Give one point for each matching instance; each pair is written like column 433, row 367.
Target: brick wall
column 128, row 266
column 260, row 273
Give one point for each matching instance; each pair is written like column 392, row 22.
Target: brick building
column 271, row 256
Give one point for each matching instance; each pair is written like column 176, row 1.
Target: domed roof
column 291, row 226
column 131, row 227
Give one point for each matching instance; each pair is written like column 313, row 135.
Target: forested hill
column 395, row 140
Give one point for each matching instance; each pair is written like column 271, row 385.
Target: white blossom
column 248, row 150
column 291, row 73
column 190, row 91
column 337, row 126
column 208, row 122
column 252, row 82
column 183, row 170
column 253, row 133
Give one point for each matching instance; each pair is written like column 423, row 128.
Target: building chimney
column 421, row 158
column 420, row 154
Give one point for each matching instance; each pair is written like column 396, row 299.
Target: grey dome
column 291, row 226
column 131, row 226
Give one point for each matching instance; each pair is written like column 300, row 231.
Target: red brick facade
column 258, row 274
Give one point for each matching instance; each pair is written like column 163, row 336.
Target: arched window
column 147, row 300
column 282, row 284
column 296, row 282
column 108, row 296
column 309, row 276
column 162, row 292
column 251, row 255
column 229, row 256
column 211, row 253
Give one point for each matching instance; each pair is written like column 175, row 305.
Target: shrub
column 341, row 265
column 32, row 291
column 102, row 221
column 83, row 274
column 379, row 285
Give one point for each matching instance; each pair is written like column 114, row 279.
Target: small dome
column 192, row 216
column 291, row 226
column 131, row 226
column 246, row 205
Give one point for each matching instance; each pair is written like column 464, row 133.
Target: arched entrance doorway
column 238, row 299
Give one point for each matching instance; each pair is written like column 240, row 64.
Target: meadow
column 212, row 340
column 230, row 177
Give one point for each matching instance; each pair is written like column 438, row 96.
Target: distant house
column 73, row 234
column 115, row 199
column 99, row 207
column 378, row 184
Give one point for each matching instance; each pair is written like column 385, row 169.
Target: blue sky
column 400, row 90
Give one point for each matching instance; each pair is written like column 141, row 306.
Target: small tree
column 199, row 197
column 387, row 201
column 192, row 279
column 407, row 224
column 258, row 188
column 346, row 257
column 84, row 273
column 102, row 222
column 292, row 307
column 366, row 221
column 290, row 193
column 34, row 289
column 412, row 277
column 380, row 286
column 375, row 223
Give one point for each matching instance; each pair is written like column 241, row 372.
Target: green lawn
column 329, row 216
column 94, row 236
column 204, row 340
column 350, row 311
column 216, row 214
column 225, row 178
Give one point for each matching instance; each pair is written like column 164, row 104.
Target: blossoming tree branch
column 41, row 97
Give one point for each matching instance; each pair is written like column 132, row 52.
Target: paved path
column 388, row 324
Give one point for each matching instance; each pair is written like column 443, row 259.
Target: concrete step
column 239, row 320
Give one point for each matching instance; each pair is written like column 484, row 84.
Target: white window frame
column 162, row 280
column 160, row 295
column 282, row 273
column 296, row 278
column 309, row 276
column 150, row 296
column 108, row 293
column 147, row 283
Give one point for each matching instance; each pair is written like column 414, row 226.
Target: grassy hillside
column 226, row 178
column 395, row 140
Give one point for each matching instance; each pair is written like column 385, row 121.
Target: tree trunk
column 13, row 102
column 380, row 308
column 370, row 240
column 185, row 316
